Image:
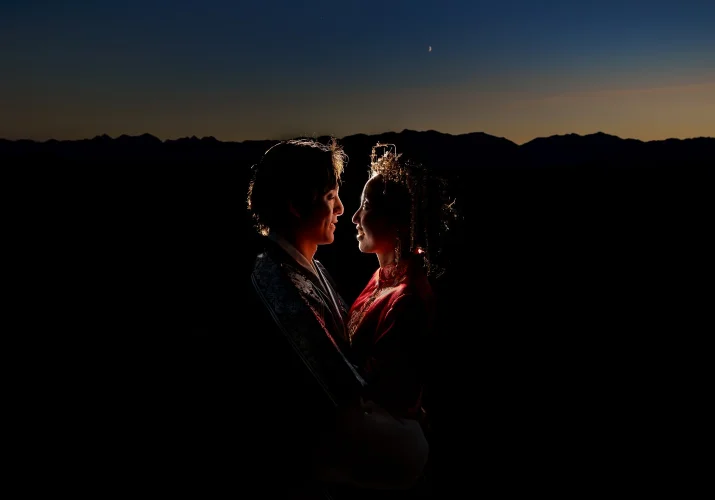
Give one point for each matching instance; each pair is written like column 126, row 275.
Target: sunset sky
column 236, row 70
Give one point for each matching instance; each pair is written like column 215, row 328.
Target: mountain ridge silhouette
column 146, row 136
column 442, row 150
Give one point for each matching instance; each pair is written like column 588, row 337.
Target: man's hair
column 292, row 173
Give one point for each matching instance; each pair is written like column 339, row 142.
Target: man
column 321, row 432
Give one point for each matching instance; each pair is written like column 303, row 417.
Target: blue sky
column 239, row 70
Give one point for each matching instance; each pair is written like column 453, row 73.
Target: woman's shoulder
column 418, row 285
column 413, row 296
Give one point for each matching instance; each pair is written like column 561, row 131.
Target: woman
column 401, row 216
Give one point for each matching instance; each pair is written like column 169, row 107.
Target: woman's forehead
column 373, row 187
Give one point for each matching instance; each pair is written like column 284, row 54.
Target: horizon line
column 316, row 136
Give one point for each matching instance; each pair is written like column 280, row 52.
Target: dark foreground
column 559, row 355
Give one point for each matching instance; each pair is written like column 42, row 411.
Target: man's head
column 294, row 190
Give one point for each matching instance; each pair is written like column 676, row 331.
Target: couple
column 352, row 393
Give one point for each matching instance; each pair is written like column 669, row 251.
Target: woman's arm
column 396, row 363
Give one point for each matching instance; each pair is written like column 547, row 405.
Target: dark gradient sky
column 236, row 70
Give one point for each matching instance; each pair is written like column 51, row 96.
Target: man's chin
column 328, row 241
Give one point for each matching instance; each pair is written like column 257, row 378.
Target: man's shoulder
column 267, row 250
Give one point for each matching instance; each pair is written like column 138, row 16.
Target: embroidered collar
column 293, row 252
column 392, row 274
column 319, row 287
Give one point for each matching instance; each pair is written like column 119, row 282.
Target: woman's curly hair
column 420, row 201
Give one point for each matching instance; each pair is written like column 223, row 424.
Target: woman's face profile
column 375, row 233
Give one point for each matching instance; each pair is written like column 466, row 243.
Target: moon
column 429, row 49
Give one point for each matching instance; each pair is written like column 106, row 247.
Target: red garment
column 389, row 324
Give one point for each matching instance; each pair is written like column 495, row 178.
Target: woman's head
column 404, row 211
column 294, row 189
